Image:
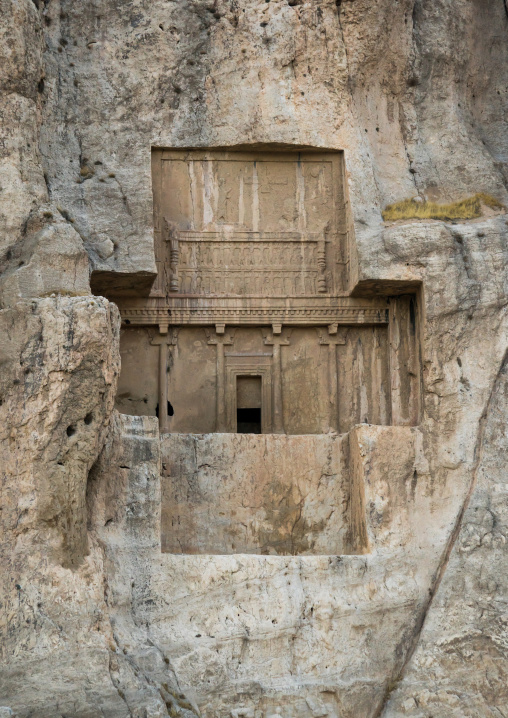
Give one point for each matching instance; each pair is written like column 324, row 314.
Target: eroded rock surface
column 459, row 666
column 96, row 620
column 59, row 365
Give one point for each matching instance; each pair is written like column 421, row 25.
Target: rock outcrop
column 95, row 619
column 59, row 363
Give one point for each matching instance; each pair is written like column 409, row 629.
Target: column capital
column 271, row 338
column 168, row 337
column 331, row 338
column 224, row 337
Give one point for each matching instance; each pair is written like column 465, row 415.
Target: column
column 164, row 340
column 276, row 337
column 221, row 394
column 333, row 339
column 220, row 338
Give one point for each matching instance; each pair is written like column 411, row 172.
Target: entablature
column 252, row 312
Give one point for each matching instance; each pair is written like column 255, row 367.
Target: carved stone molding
column 249, row 365
column 254, row 315
column 263, row 264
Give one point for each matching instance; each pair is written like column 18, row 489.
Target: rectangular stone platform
column 262, row 494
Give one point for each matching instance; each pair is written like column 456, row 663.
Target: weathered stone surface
column 295, row 635
column 30, row 267
column 22, row 185
column 124, row 509
column 59, row 364
column 235, row 627
column 281, row 633
column 70, row 644
column 230, row 493
column 414, row 93
column 460, row 665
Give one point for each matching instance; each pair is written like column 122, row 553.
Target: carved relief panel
column 249, row 224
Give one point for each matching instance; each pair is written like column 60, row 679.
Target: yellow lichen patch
column 469, row 208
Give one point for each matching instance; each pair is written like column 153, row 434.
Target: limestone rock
column 30, row 266
column 297, row 507
column 96, row 620
column 59, row 366
column 397, row 87
column 124, row 509
column 22, row 186
column 461, row 652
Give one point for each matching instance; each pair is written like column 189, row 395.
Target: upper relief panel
column 266, row 224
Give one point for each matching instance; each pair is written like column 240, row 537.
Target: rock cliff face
column 96, row 620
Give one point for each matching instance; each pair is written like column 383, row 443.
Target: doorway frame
column 248, row 365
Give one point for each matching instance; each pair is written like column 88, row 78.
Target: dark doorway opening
column 248, row 404
column 248, row 421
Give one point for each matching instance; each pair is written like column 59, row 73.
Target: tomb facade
column 250, row 329
column 249, row 326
